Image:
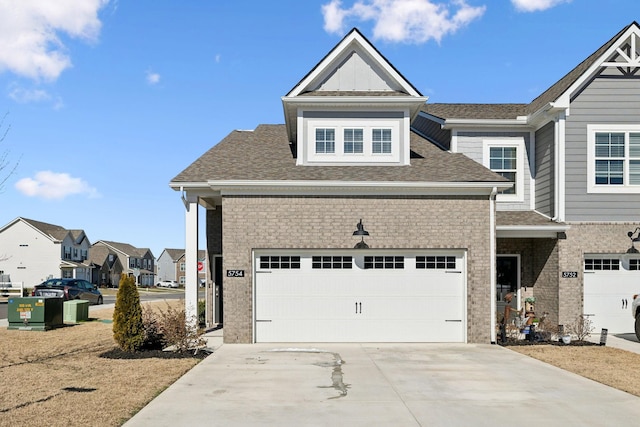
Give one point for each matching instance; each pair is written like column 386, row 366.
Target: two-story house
column 167, row 264
column 171, row 265
column 107, row 267
column 33, row 251
column 136, row 262
column 373, row 216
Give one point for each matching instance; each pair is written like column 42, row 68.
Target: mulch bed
column 117, row 353
column 510, row 342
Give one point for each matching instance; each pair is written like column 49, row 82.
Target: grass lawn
column 58, row 377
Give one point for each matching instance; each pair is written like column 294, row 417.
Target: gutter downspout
column 492, row 261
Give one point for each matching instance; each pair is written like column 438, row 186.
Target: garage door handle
column 358, row 307
column 453, row 320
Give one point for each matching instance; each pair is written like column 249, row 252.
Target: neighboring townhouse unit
column 202, row 266
column 373, row 216
column 167, row 264
column 136, row 262
column 107, row 268
column 171, row 266
column 33, row 251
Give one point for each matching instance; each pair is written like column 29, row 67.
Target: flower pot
column 566, row 339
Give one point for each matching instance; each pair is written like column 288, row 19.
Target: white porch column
column 191, row 260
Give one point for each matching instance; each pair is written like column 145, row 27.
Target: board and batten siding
column 544, row 170
column 604, row 101
column 471, row 145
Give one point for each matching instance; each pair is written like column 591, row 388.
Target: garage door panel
column 605, row 295
column 403, row 304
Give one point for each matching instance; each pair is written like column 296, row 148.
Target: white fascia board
column 359, row 101
column 530, row 231
column 303, row 188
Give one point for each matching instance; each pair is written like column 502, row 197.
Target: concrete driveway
column 386, row 385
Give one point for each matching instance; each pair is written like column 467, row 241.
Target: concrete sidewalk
column 383, row 384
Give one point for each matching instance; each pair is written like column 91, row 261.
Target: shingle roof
column 126, row 248
column 476, row 111
column 174, row 254
column 265, row 154
column 55, row 231
column 505, row 218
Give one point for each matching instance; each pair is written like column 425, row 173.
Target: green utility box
column 34, row 313
column 76, row 310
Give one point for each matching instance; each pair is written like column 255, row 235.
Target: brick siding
column 328, row 222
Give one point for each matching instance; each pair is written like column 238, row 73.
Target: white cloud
column 25, row 96
column 536, row 5
column 218, row 58
column 153, row 78
column 54, row 186
column 30, row 34
column 412, row 21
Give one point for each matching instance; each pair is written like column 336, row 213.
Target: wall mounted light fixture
column 631, row 234
column 360, row 231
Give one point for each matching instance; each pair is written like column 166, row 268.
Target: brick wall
column 328, row 222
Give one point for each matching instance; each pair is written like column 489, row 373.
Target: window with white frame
column 506, row 157
column 353, row 141
column 325, row 141
column 613, row 158
column 182, row 266
column 381, row 141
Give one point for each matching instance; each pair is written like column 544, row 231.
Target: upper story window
column 503, row 160
column 354, row 138
column 353, row 141
column 506, row 157
column 381, row 141
column 325, row 140
column 182, row 266
column 614, row 158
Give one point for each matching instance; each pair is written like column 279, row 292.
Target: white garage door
column 359, row 296
column 610, row 281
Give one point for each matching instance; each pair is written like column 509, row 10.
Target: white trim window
column 325, row 141
column 507, row 159
column 613, row 158
column 353, row 140
column 381, row 141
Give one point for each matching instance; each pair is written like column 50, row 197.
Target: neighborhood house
column 372, row 215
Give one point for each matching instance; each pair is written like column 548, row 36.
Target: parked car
column 69, row 289
column 168, row 284
column 635, row 312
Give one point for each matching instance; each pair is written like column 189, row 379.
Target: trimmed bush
column 128, row 328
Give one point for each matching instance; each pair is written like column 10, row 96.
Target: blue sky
column 105, row 101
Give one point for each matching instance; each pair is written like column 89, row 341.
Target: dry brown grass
column 610, row 366
column 57, row 378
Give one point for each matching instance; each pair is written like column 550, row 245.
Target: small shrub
column 581, row 328
column 202, row 307
column 177, row 332
column 153, row 338
column 128, row 329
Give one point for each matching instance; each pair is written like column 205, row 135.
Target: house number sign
column 569, row 274
column 235, row 273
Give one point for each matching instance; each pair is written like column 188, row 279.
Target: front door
column 507, row 281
